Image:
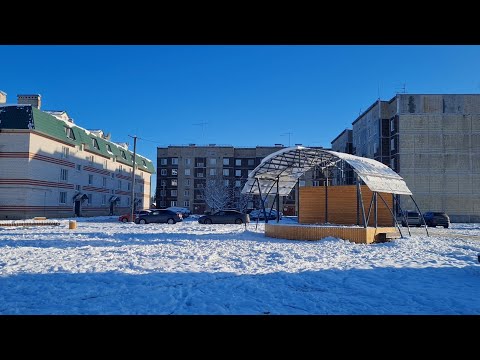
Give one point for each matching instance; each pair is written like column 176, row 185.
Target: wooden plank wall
column 342, row 205
column 357, row 235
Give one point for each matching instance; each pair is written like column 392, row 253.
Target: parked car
column 434, row 219
column 126, row 217
column 258, row 214
column 159, row 216
column 184, row 211
column 225, row 217
column 413, row 218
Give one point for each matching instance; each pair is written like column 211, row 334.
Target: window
column 95, row 144
column 131, row 159
column 392, row 144
column 119, row 184
column 65, row 152
column 238, row 183
column 109, row 148
column 226, row 183
column 213, row 161
column 174, row 182
column 238, row 162
column 174, row 172
column 392, row 163
column 90, row 179
column 186, row 193
column 89, row 202
column 301, row 183
column 238, row 172
column 63, row 197
column 113, row 175
column 316, row 183
column 213, row 172
column 251, row 162
column 129, row 186
column 144, row 163
column 64, row 174
column 392, row 124
column 79, row 167
column 200, row 174
column 77, row 187
column 186, row 203
column 173, row 192
column 90, row 158
column 163, row 183
column 128, row 201
column 226, row 172
column 141, row 188
column 226, row 161
column 163, row 161
column 163, row 192
column 174, row 161
column 188, row 161
column 104, row 199
column 200, row 185
column 105, row 164
column 70, row 134
column 187, row 172
column 163, row 172
column 173, row 203
column 123, row 154
column 187, row 182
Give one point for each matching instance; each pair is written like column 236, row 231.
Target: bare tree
column 217, row 195
column 243, row 201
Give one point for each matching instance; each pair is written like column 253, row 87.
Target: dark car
column 126, row 217
column 271, row 214
column 159, row 216
column 436, row 219
column 413, row 218
column 225, row 217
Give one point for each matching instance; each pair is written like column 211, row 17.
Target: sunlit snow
column 107, row 267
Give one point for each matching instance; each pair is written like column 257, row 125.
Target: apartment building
column 183, row 170
column 433, row 142
column 53, row 167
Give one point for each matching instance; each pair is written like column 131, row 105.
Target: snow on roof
column 289, row 164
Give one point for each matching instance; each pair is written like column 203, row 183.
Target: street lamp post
column 133, row 178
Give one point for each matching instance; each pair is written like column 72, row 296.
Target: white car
column 184, row 211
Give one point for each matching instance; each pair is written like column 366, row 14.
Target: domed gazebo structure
column 279, row 172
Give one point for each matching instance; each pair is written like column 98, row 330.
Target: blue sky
column 243, row 95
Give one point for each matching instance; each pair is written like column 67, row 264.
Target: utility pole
column 133, row 177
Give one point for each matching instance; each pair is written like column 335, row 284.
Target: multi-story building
column 433, row 142
column 182, row 173
column 343, row 143
column 53, row 167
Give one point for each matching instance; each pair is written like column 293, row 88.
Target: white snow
column 108, row 267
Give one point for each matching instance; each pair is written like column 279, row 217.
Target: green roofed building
column 54, row 168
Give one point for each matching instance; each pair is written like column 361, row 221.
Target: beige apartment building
column 433, row 142
column 52, row 167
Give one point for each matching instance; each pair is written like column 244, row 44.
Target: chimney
column 33, row 99
column 3, row 97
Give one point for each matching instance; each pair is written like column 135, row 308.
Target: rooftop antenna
column 202, row 124
column 403, row 88
column 285, row 134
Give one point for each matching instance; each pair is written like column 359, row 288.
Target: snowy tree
column 243, row 201
column 217, row 195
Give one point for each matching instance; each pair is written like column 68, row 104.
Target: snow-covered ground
column 107, row 267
